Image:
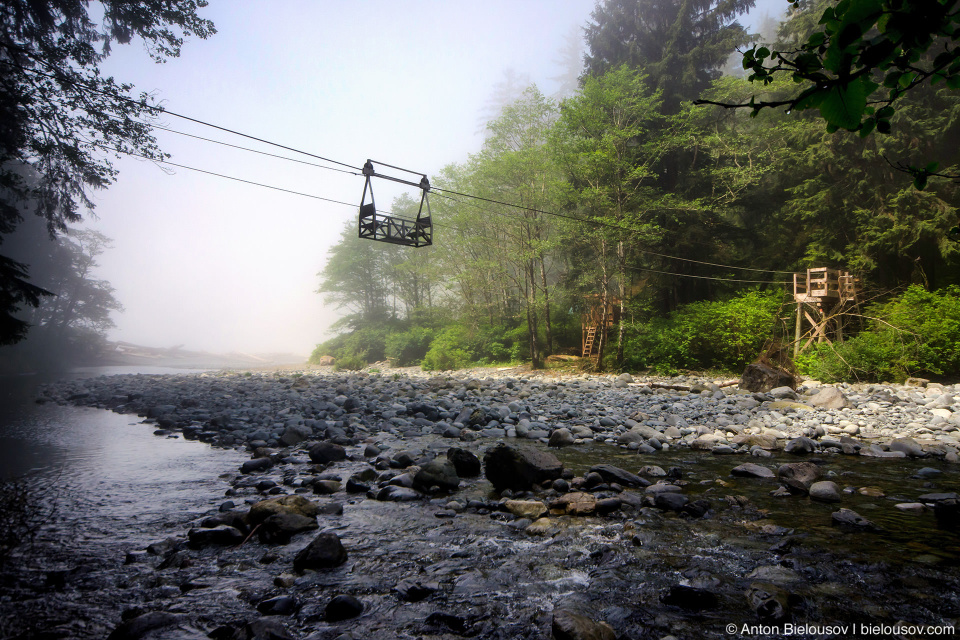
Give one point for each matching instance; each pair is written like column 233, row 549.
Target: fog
column 218, row 265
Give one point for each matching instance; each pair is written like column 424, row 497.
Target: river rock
column 610, row 473
column 798, row 476
column 690, row 598
column 278, row 606
column 326, row 487
column 759, row 378
column 280, row 527
column 144, row 624
column 221, row 535
column 908, row 446
column 567, row 625
column 768, row 601
column 520, row 469
column 767, row 442
column 439, row 472
column 342, row 607
column 910, row 507
column 326, row 452
column 825, row 491
column 413, row 590
column 324, row 552
column 286, row 504
column 562, row 437
column 829, row 398
column 257, row 464
column 393, row 493
column 575, row 504
column 800, row 446
column 849, row 519
column 295, row 434
column 531, row 509
column 467, row 464
column 751, row 470
column 670, row 501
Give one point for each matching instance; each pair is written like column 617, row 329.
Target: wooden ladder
column 588, row 342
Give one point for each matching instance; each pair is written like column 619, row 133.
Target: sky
column 218, row 265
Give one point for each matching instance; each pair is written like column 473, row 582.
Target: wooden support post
column 797, row 331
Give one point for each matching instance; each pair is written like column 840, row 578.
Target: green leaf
column 932, row 167
column 844, row 105
column 920, row 182
column 884, row 113
column 867, row 127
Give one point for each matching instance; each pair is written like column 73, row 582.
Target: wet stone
column 567, row 625
column 324, row 552
column 342, row 607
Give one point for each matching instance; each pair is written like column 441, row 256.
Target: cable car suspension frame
column 381, row 227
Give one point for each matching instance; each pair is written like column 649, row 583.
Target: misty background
column 213, row 264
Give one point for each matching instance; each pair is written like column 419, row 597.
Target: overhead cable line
column 220, row 175
column 690, row 275
column 349, row 166
column 354, row 206
column 603, row 224
column 264, row 153
column 160, row 109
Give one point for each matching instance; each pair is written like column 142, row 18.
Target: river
column 99, row 485
column 106, row 487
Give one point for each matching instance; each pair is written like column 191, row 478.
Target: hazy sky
column 219, row 265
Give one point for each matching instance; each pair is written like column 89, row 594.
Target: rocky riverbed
column 499, row 504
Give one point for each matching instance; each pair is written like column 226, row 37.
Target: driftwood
column 685, row 387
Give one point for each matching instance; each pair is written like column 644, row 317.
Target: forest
column 681, row 224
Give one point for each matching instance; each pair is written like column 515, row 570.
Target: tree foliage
column 688, row 221
column 865, row 55
column 62, row 118
column 679, row 44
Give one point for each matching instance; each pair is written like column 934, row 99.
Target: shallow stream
column 107, row 488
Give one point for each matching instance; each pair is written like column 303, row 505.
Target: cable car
column 394, row 229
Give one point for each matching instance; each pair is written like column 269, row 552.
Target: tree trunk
column 546, row 306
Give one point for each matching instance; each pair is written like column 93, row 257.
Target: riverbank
column 654, row 506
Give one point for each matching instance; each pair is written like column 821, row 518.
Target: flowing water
column 104, row 486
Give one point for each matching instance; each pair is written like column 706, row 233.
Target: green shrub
column 705, row 335
column 915, row 333
column 449, row 350
column 349, row 362
column 367, row 344
column 408, row 347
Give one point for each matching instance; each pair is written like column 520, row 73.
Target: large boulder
column 325, row 552
column 519, row 468
column 280, row 527
column 295, row 503
column 465, row 462
column 439, row 472
column 751, row 470
column 622, row 477
column 829, row 398
column 760, row 378
column 327, row 452
column 798, row 476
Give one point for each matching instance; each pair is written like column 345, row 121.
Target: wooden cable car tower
column 595, row 322
column 824, row 298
